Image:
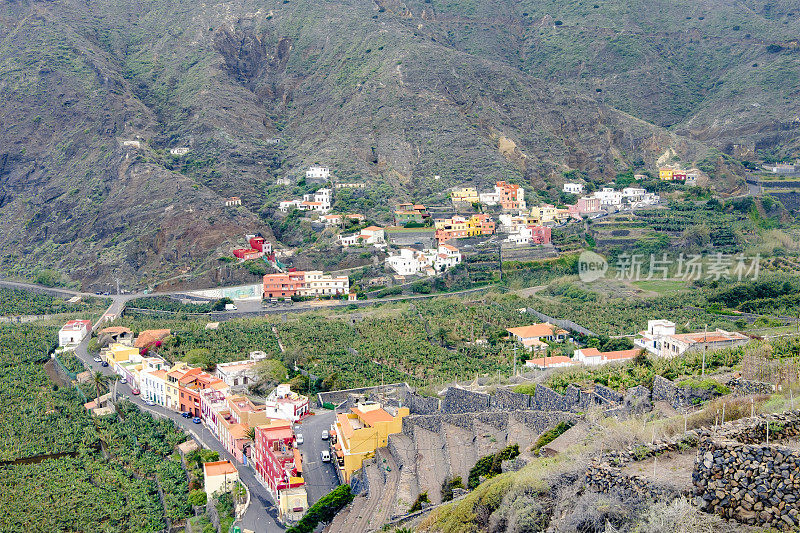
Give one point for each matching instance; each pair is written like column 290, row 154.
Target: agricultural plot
column 15, row 302
column 53, row 453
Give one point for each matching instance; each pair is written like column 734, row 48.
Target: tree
column 219, row 305
column 251, row 433
column 299, row 384
column 272, row 370
column 200, row 357
column 99, row 380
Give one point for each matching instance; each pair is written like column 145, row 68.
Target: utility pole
column 500, row 258
column 705, row 346
column 515, row 360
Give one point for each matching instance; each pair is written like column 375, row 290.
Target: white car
column 325, row 455
column 325, row 434
column 298, row 439
column 149, row 402
column 123, row 381
column 98, row 360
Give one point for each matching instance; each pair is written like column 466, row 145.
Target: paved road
column 320, row 477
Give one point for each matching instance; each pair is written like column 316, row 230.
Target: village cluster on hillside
column 408, row 249
column 261, row 433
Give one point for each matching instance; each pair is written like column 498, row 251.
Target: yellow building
column 466, row 194
column 362, row 431
column 120, row 353
column 291, row 500
column 171, row 387
column 665, row 174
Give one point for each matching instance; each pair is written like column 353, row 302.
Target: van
column 325, row 455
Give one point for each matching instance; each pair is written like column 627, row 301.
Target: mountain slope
column 257, row 91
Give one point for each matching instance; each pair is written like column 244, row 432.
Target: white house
column 153, row 380
column 406, row 262
column 447, row 256
column 543, row 363
column 489, row 198
column 74, row 331
column 284, row 404
column 660, row 339
column 532, row 336
column 594, row 357
column 287, row 205
column 371, row 235
column 573, row 188
column 317, row 172
column 238, row 374
column 608, row 197
column 633, row 194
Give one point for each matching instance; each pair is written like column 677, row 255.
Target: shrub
column 422, row 498
column 490, row 465
column 551, row 435
column 198, row 497
column 448, row 485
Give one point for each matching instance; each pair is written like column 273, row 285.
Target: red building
column 284, row 285
column 540, row 234
column 247, row 253
column 259, row 244
column 277, row 462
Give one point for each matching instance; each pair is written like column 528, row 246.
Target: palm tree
column 250, row 433
column 98, row 379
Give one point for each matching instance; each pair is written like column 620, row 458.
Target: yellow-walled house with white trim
column 362, row 431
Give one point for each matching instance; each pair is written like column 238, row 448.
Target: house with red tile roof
column 532, row 337
column 543, row 363
column 594, row 357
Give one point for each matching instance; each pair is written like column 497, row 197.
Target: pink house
column 588, row 204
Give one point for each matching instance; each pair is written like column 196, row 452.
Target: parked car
column 149, row 402
column 196, row 420
column 325, row 455
column 98, row 360
column 135, row 392
column 325, row 434
column 186, row 415
column 298, row 439
column 104, row 363
column 123, row 381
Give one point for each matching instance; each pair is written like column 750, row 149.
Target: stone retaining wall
column 679, row 397
column 745, row 387
column 505, row 399
column 609, row 479
column 458, row 400
column 754, row 484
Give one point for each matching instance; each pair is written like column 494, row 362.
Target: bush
column 198, row 497
column 490, row 465
column 551, row 435
column 448, row 485
column 324, row 510
column 422, row 498
column 390, row 291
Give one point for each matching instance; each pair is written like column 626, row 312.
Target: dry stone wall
column 756, row 484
